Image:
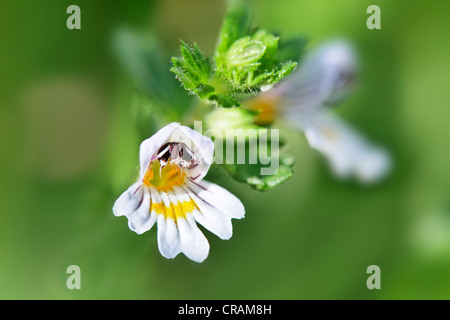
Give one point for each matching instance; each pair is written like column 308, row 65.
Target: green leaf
column 252, row 174
column 283, row 71
column 275, row 75
column 236, row 24
column 251, row 61
column 144, row 59
column 204, row 90
column 181, row 74
column 244, row 53
column 241, row 62
column 193, row 70
column 254, row 157
column 262, row 79
column 271, row 43
column 141, row 56
column 292, row 49
column 224, row 100
column 245, row 60
column 145, row 114
column 195, row 61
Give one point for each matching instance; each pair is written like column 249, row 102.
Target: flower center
column 165, row 178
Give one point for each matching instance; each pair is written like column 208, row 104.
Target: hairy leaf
column 193, row 70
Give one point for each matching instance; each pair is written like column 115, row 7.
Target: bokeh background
column 69, row 146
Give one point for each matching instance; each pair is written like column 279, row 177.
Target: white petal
column 168, row 238
column 155, row 198
column 325, row 77
column 181, row 194
column 165, row 199
column 182, row 234
column 347, row 152
column 211, row 217
column 128, row 201
column 193, row 242
column 150, row 146
column 221, row 198
column 376, row 165
column 201, row 146
column 142, row 219
column 135, row 205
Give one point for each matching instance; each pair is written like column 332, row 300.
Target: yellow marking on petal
column 163, row 179
column 175, row 210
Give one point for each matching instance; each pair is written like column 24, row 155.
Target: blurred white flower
column 170, row 191
column 326, row 78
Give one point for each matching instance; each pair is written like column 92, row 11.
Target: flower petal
column 177, row 230
column 193, row 242
column 201, row 146
column 150, row 146
column 209, row 216
column 374, row 165
column 135, row 205
column 174, row 206
column 168, row 238
column 128, row 201
column 347, row 152
column 222, row 199
column 326, row 77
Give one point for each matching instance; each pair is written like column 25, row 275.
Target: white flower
column 326, row 78
column 170, row 191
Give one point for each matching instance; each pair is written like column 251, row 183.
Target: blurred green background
column 69, row 147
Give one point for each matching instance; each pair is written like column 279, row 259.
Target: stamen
column 160, row 154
